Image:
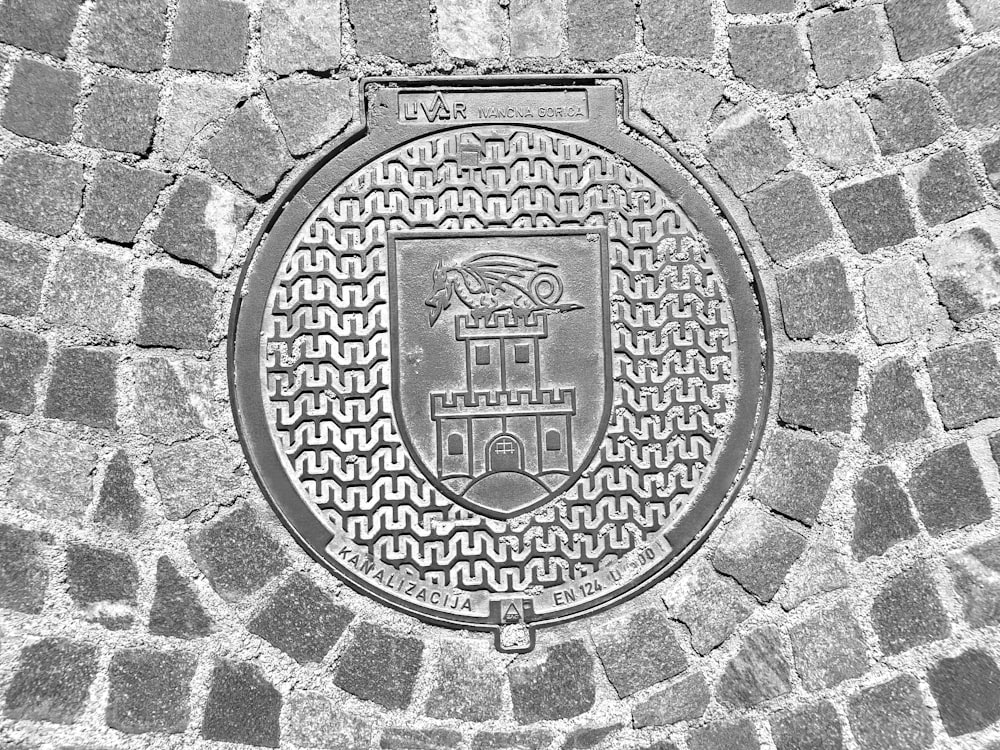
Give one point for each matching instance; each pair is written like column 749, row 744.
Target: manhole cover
column 499, row 360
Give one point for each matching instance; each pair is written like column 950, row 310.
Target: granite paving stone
column 300, row 35
column 242, row 706
column 965, row 379
column 600, row 30
column 725, row 735
column 90, row 295
column 470, row 29
column 829, row 647
column 520, row 739
column 971, row 87
column 835, row 132
column 177, row 310
column 120, row 115
column 40, row 192
column 24, row 574
column 532, row 31
column 907, row 612
column 398, row 656
column 149, row 691
column 119, row 504
column 890, row 716
column 976, row 574
column 209, row 35
column 822, row 568
column 815, row 299
column 128, row 33
column 682, row 101
column 22, row 358
column 43, row 26
column 760, row 7
column 709, row 605
column 845, row 45
column 585, row 738
column 896, row 301
column 314, row 721
column 945, row 187
column 769, row 57
column 948, row 490
column 119, row 200
column 191, row 107
column 249, row 152
column 965, row 265
column 789, row 216
column 301, row 620
column 795, row 475
column 40, row 101
column 921, row 27
column 896, row 411
column 51, row 681
column 984, row 14
column 746, row 151
column 201, row 222
column 411, row 738
column 882, row 515
column 552, row 683
column 169, row 399
column 757, row 550
column 903, row 116
column 757, row 672
column 818, row 390
column 809, row 727
column 678, row 29
column 684, row 699
column 193, row 475
column 966, row 688
column 22, row 271
column 468, row 686
column 176, row 610
column 990, row 154
column 875, row 213
column 400, row 29
column 236, row 554
column 52, row 475
column 310, row 111
column 83, row 388
column 638, row 650
column 103, row 584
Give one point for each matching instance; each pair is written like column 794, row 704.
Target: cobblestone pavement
column 148, row 597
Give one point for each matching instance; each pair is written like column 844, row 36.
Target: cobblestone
column 52, row 475
column 965, row 266
column 128, row 33
column 985, row 14
column 907, row 612
column 709, row 606
column 119, row 504
column 176, row 310
column 757, row 550
column 769, row 57
column 971, row 87
column 896, row 412
column 242, row 706
column 746, row 151
column 678, row 29
column 192, row 475
column 600, row 30
column 731, row 735
column 795, row 475
column 249, row 152
column 176, row 610
column 966, row 383
column 40, row 192
column 818, row 390
column 834, row 130
column 22, row 358
column 209, row 35
column 682, row 101
column 758, row 671
column 552, row 683
column 638, row 650
column 948, row 491
column 815, row 299
column 468, row 686
column 921, row 27
column 823, row 567
column 517, row 740
column 408, row 738
column 875, row 213
column 190, row 107
column 43, row 26
column 315, row 722
column 103, row 584
column 24, row 575
column 811, row 727
column 119, row 200
column 149, row 691
column 890, row 716
column 788, row 216
column 51, row 681
column 882, row 515
column 394, row 28
column 309, row 111
column 967, row 690
column 91, row 295
column 845, row 46
column 896, row 301
column 167, row 403
column 82, row 388
column 903, row 115
column 300, row 35
column 120, row 115
column 470, row 29
column 685, row 699
column 976, row 573
column 40, row 101
column 532, row 31
column 945, row 187
column 22, row 271
column 398, row 658
column 990, row 154
column 829, row 648
column 585, row 738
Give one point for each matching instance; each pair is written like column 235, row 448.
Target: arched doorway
column 504, row 453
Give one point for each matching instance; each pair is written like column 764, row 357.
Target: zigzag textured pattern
column 326, row 352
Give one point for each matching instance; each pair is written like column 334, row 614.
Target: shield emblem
column 501, row 360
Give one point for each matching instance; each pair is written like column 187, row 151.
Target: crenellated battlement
column 545, row 402
column 501, row 326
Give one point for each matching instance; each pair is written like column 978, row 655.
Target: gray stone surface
column 176, row 610
column 990, row 154
column 521, row 739
column 301, row 620
column 177, row 310
column 468, row 686
column 40, row 101
column 810, row 727
column 51, row 681
column 315, row 721
column 945, row 187
column 249, row 152
column 398, row 657
column 310, row 111
column 209, row 35
column 818, row 390
column 965, row 265
column 236, row 554
column 638, row 650
column 789, row 216
column 882, row 515
column 760, row 7
column 845, row 45
column 971, row 87
column 90, row 292
column 984, row 14
column 965, row 379
column 193, row 475
column 22, row 270
column 119, row 504
column 169, row 399
column 948, row 490
column 82, row 388
column 896, row 412
column 600, row 30
column 682, row 101
column 552, row 683
column 966, row 688
column 725, row 735
column 795, row 475
column 710, row 606
column 242, row 706
column 757, row 550
column 757, row 672
column 903, row 116
column 875, row 213
column 300, row 35
column 42, row 26
column 815, row 299
column 119, row 200
column 585, row 738
column 921, row 27
column 684, row 699
column 128, row 33
column 829, row 647
column 890, row 716
column 746, row 151
column 40, row 192
column 201, row 222
column 835, row 132
column 769, row 57
column 400, row 28
column 103, row 584
column 976, row 573
column 410, row 738
column 532, row 31
column 22, row 358
column 908, row 612
column 896, row 301
column 120, row 115
column 149, row 691
column 470, row 29
column 191, row 107
column 822, row 568
column 678, row 29
column 52, row 475
column 24, row 574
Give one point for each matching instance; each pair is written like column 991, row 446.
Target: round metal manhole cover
column 499, row 360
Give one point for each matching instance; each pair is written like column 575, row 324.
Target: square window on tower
column 522, row 354
column 482, row 355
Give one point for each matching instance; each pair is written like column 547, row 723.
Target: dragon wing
column 497, row 269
